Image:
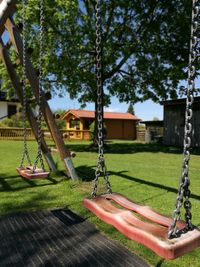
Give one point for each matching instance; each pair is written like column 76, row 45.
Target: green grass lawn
column 148, row 174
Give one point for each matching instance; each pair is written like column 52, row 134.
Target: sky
column 145, row 111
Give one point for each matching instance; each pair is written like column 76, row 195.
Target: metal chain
column 25, row 153
column 184, row 191
column 101, row 167
column 39, row 157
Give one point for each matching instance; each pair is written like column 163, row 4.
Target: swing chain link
column 41, row 83
column 184, row 191
column 24, row 32
column 101, row 167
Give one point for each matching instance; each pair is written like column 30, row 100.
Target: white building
column 8, row 108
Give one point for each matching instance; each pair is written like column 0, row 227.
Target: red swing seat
column 152, row 233
column 27, row 173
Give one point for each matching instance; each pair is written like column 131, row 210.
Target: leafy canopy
column 145, row 47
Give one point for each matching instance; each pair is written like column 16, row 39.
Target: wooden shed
column 118, row 125
column 174, row 122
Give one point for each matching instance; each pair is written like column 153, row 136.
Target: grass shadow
column 151, row 184
column 87, row 173
column 129, row 148
column 12, row 183
column 159, row 264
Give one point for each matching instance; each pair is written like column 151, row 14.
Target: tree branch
column 150, row 14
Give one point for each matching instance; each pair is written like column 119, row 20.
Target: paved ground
column 58, row 238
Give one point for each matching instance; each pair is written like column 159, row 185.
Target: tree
column 131, row 109
column 15, row 121
column 145, row 51
column 58, row 114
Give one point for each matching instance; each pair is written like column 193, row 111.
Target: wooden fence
column 15, row 134
column 18, row 134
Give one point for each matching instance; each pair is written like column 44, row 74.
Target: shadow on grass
column 128, row 148
column 87, row 173
column 13, row 183
column 159, row 264
column 156, row 185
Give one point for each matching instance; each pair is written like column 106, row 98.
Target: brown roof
column 107, row 115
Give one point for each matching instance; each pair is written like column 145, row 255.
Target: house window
column 74, row 124
column 12, row 110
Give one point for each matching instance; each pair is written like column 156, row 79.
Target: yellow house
column 118, row 125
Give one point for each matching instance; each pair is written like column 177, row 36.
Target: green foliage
column 61, row 124
column 58, row 114
column 131, row 109
column 2, row 124
column 145, row 51
column 15, row 121
column 43, row 124
column 92, row 130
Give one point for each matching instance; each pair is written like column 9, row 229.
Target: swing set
column 168, row 237
column 29, row 75
column 32, row 171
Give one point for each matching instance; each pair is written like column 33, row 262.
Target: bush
column 61, row 124
column 2, row 124
column 58, row 114
column 15, row 121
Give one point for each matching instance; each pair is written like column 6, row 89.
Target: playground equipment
column 168, row 237
column 7, row 10
column 32, row 172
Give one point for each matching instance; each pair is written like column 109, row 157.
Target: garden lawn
column 148, row 174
